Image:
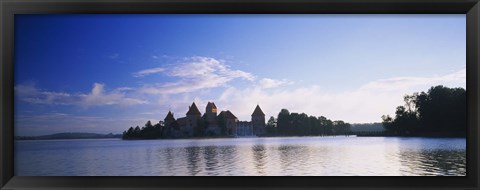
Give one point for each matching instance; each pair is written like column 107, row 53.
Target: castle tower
column 229, row 121
column 258, row 121
column 169, row 119
column 193, row 115
column 211, row 112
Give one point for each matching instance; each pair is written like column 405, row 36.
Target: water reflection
column 193, row 160
column 433, row 162
column 169, row 153
column 290, row 159
column 229, row 155
column 260, row 158
column 317, row 156
column 210, row 156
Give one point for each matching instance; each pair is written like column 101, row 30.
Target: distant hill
column 367, row 127
column 69, row 136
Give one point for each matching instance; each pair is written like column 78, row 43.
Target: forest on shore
column 286, row 124
column 295, row 124
column 440, row 112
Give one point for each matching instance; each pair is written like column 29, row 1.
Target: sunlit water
column 299, row 156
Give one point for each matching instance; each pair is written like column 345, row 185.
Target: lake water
column 299, row 156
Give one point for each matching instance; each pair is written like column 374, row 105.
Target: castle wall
column 259, row 125
column 231, row 125
column 244, row 129
column 188, row 126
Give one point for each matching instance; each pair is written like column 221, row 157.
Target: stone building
column 184, row 126
column 258, row 121
column 244, row 129
column 211, row 124
column 211, row 112
column 211, row 120
column 229, row 122
column 171, row 123
column 192, row 120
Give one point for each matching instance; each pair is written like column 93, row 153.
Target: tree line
column 441, row 111
column 148, row 131
column 286, row 124
column 295, row 124
column 159, row 130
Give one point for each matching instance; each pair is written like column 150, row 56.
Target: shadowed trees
column 441, row 111
column 341, row 128
column 286, row 124
column 283, row 122
column 271, row 126
column 148, row 131
column 295, row 124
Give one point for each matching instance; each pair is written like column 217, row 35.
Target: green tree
column 137, row 132
column 439, row 111
column 283, row 122
column 271, row 126
column 316, row 127
column 326, row 125
column 148, row 124
column 158, row 130
column 128, row 134
column 341, row 128
column 303, row 125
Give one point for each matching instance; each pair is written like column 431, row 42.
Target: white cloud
column 162, row 57
column 29, row 93
column 195, row 73
column 272, row 83
column 146, row 72
column 404, row 83
column 122, row 89
column 97, row 97
column 364, row 104
column 26, row 90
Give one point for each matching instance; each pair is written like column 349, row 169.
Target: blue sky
column 105, row 73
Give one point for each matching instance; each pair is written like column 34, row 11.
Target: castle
column 213, row 124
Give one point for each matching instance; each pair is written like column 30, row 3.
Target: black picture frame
column 11, row 7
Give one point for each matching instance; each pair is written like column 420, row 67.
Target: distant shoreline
column 425, row 136
column 72, row 136
column 353, row 135
column 59, row 136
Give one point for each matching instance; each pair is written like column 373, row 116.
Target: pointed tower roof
column 211, row 104
column 169, row 116
column 193, row 110
column 258, row 112
column 227, row 114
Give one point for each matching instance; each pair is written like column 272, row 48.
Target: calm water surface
column 317, row 156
